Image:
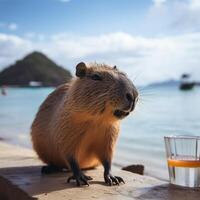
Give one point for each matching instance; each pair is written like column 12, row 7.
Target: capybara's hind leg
column 49, row 169
column 78, row 175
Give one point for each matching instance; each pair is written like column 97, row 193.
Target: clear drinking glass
column 183, row 158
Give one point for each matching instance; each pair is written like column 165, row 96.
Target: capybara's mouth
column 120, row 114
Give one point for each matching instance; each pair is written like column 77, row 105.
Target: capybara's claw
column 89, row 178
column 113, row 180
column 80, row 179
column 120, row 179
column 70, row 178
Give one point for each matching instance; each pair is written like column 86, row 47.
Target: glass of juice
column 183, row 159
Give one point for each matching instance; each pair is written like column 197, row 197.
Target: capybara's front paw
column 81, row 179
column 113, row 180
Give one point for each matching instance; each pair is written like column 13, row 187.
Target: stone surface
column 9, row 191
column 138, row 169
column 20, row 175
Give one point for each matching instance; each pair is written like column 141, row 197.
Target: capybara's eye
column 96, row 77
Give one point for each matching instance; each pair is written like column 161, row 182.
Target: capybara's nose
column 129, row 97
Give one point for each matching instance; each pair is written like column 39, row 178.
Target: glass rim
column 182, row 137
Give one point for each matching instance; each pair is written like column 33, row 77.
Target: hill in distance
column 35, row 68
column 170, row 82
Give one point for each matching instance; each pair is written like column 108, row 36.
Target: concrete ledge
column 8, row 191
column 21, row 179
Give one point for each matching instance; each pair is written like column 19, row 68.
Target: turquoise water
column 161, row 111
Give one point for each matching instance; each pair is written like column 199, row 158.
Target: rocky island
column 34, row 70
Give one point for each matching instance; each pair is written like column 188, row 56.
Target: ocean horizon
column 161, row 111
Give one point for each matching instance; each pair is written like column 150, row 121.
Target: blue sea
column 161, row 111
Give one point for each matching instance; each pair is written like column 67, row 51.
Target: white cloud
column 12, row 26
column 174, row 16
column 65, row 1
column 9, row 26
column 12, row 48
column 194, row 4
column 154, row 59
column 159, row 2
column 30, row 35
column 34, row 36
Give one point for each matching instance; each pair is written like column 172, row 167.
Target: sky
column 150, row 40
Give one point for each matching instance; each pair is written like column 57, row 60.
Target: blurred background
column 156, row 42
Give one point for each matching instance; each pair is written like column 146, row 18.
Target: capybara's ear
column 81, row 69
column 115, row 67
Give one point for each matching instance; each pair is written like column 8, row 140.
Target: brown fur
column 77, row 119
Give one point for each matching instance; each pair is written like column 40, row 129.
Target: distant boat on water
column 186, row 82
column 35, row 84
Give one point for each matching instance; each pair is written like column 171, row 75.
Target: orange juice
column 184, row 171
column 183, row 163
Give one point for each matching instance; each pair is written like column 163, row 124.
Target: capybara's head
column 100, row 89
